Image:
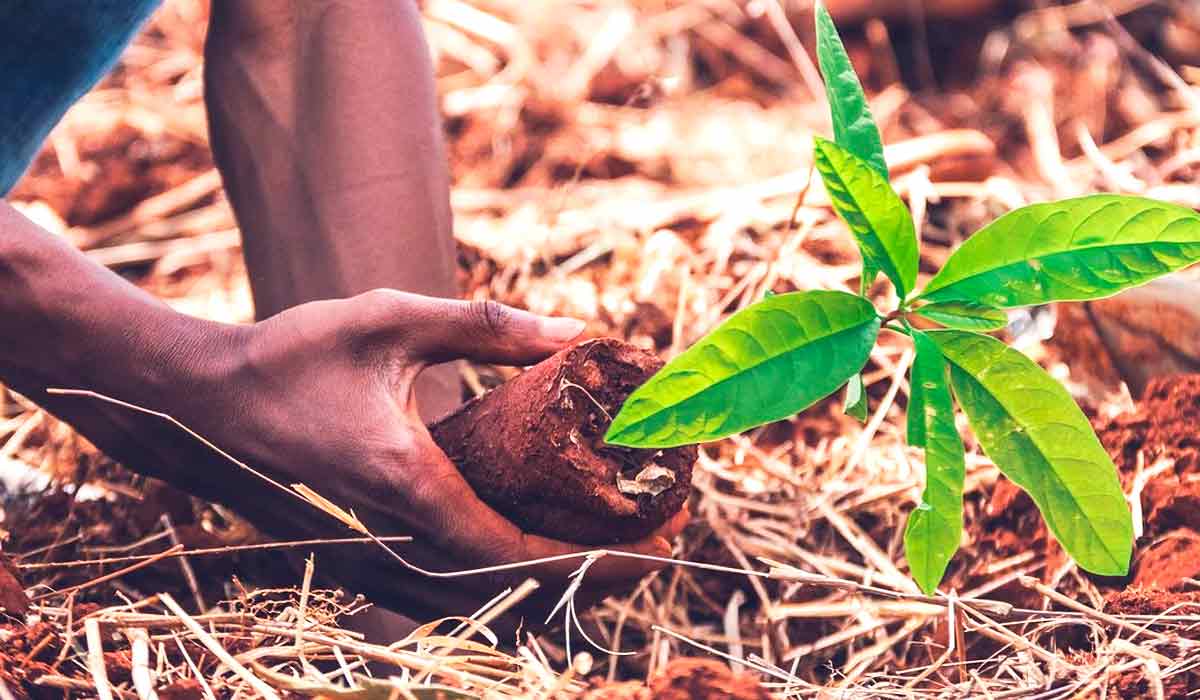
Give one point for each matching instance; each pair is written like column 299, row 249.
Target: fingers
column 449, row 516
column 477, row 536
column 439, row 330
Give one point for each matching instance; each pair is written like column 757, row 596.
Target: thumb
column 441, row 330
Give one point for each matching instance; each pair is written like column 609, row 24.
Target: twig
column 95, row 660
column 210, row 551
column 188, row 574
column 1066, row 601
column 139, row 666
column 795, row 49
column 108, row 577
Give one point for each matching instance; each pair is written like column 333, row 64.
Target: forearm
column 324, row 125
column 69, row 322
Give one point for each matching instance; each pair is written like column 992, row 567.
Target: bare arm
column 320, row 393
column 64, row 318
column 324, row 125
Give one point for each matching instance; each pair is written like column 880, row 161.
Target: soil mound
column 686, row 679
column 1165, row 424
column 533, row 448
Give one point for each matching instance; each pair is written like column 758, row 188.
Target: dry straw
column 671, row 188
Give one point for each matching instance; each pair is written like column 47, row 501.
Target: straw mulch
column 638, row 163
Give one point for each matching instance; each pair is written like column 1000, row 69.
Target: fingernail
column 560, row 330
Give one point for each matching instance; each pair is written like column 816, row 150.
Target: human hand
column 321, row 394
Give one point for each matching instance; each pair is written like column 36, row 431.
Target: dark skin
column 324, row 127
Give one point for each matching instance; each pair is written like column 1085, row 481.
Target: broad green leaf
column 766, row 362
column 964, row 315
column 856, row 398
column 874, row 212
column 1029, row 426
column 1075, row 249
column 853, row 126
column 935, row 526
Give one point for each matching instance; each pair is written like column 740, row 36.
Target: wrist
column 143, row 353
column 164, row 360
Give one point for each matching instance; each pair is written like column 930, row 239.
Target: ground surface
column 636, row 164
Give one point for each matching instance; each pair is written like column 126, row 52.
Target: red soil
column 1140, row 683
column 26, row 655
column 183, row 689
column 686, row 679
column 533, row 448
column 1167, row 562
column 1150, row 601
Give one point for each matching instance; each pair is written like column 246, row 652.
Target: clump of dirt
column 182, row 689
column 1149, row 601
column 1169, row 561
column 686, row 679
column 121, row 167
column 1165, row 424
column 1138, row 683
column 25, row 655
column 533, row 449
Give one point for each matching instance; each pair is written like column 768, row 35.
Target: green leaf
column 874, row 212
column 766, row 362
column 853, row 126
column 964, row 315
column 1029, row 426
column 935, row 526
column 856, row 399
column 1083, row 248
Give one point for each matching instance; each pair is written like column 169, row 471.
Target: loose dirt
column 686, row 679
column 533, row 449
column 123, row 167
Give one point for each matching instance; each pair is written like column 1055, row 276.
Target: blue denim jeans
column 51, row 52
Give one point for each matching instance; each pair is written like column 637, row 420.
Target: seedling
column 784, row 353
